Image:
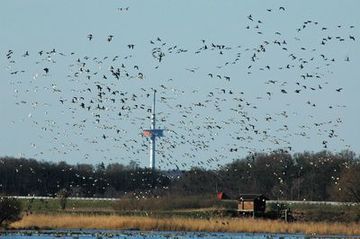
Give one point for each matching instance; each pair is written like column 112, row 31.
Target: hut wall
column 246, row 206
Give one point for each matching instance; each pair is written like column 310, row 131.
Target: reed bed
column 184, row 224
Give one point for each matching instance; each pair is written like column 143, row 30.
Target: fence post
column 286, row 215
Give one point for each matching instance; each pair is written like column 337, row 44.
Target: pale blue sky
column 35, row 124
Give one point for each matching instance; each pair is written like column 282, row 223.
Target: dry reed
column 185, row 224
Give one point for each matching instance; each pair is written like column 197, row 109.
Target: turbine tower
column 153, row 133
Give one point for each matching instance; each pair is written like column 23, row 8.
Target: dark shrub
column 10, row 209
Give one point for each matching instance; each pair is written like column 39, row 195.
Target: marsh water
column 107, row 234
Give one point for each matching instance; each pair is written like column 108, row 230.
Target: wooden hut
column 252, row 204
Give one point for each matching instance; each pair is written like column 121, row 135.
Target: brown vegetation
column 184, row 224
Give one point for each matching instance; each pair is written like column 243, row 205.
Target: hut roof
column 242, row 197
column 222, row 196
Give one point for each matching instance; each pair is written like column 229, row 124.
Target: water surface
column 110, row 234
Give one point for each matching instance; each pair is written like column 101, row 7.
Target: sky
column 232, row 78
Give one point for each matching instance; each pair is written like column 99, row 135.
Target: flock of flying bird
column 105, row 103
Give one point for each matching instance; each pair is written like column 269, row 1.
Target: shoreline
column 136, row 223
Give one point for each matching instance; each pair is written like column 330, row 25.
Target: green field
column 53, row 205
column 330, row 213
column 190, row 207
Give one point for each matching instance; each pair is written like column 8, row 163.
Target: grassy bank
column 53, row 205
column 328, row 213
column 188, row 207
column 183, row 224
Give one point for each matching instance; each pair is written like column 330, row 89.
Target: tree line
column 279, row 175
